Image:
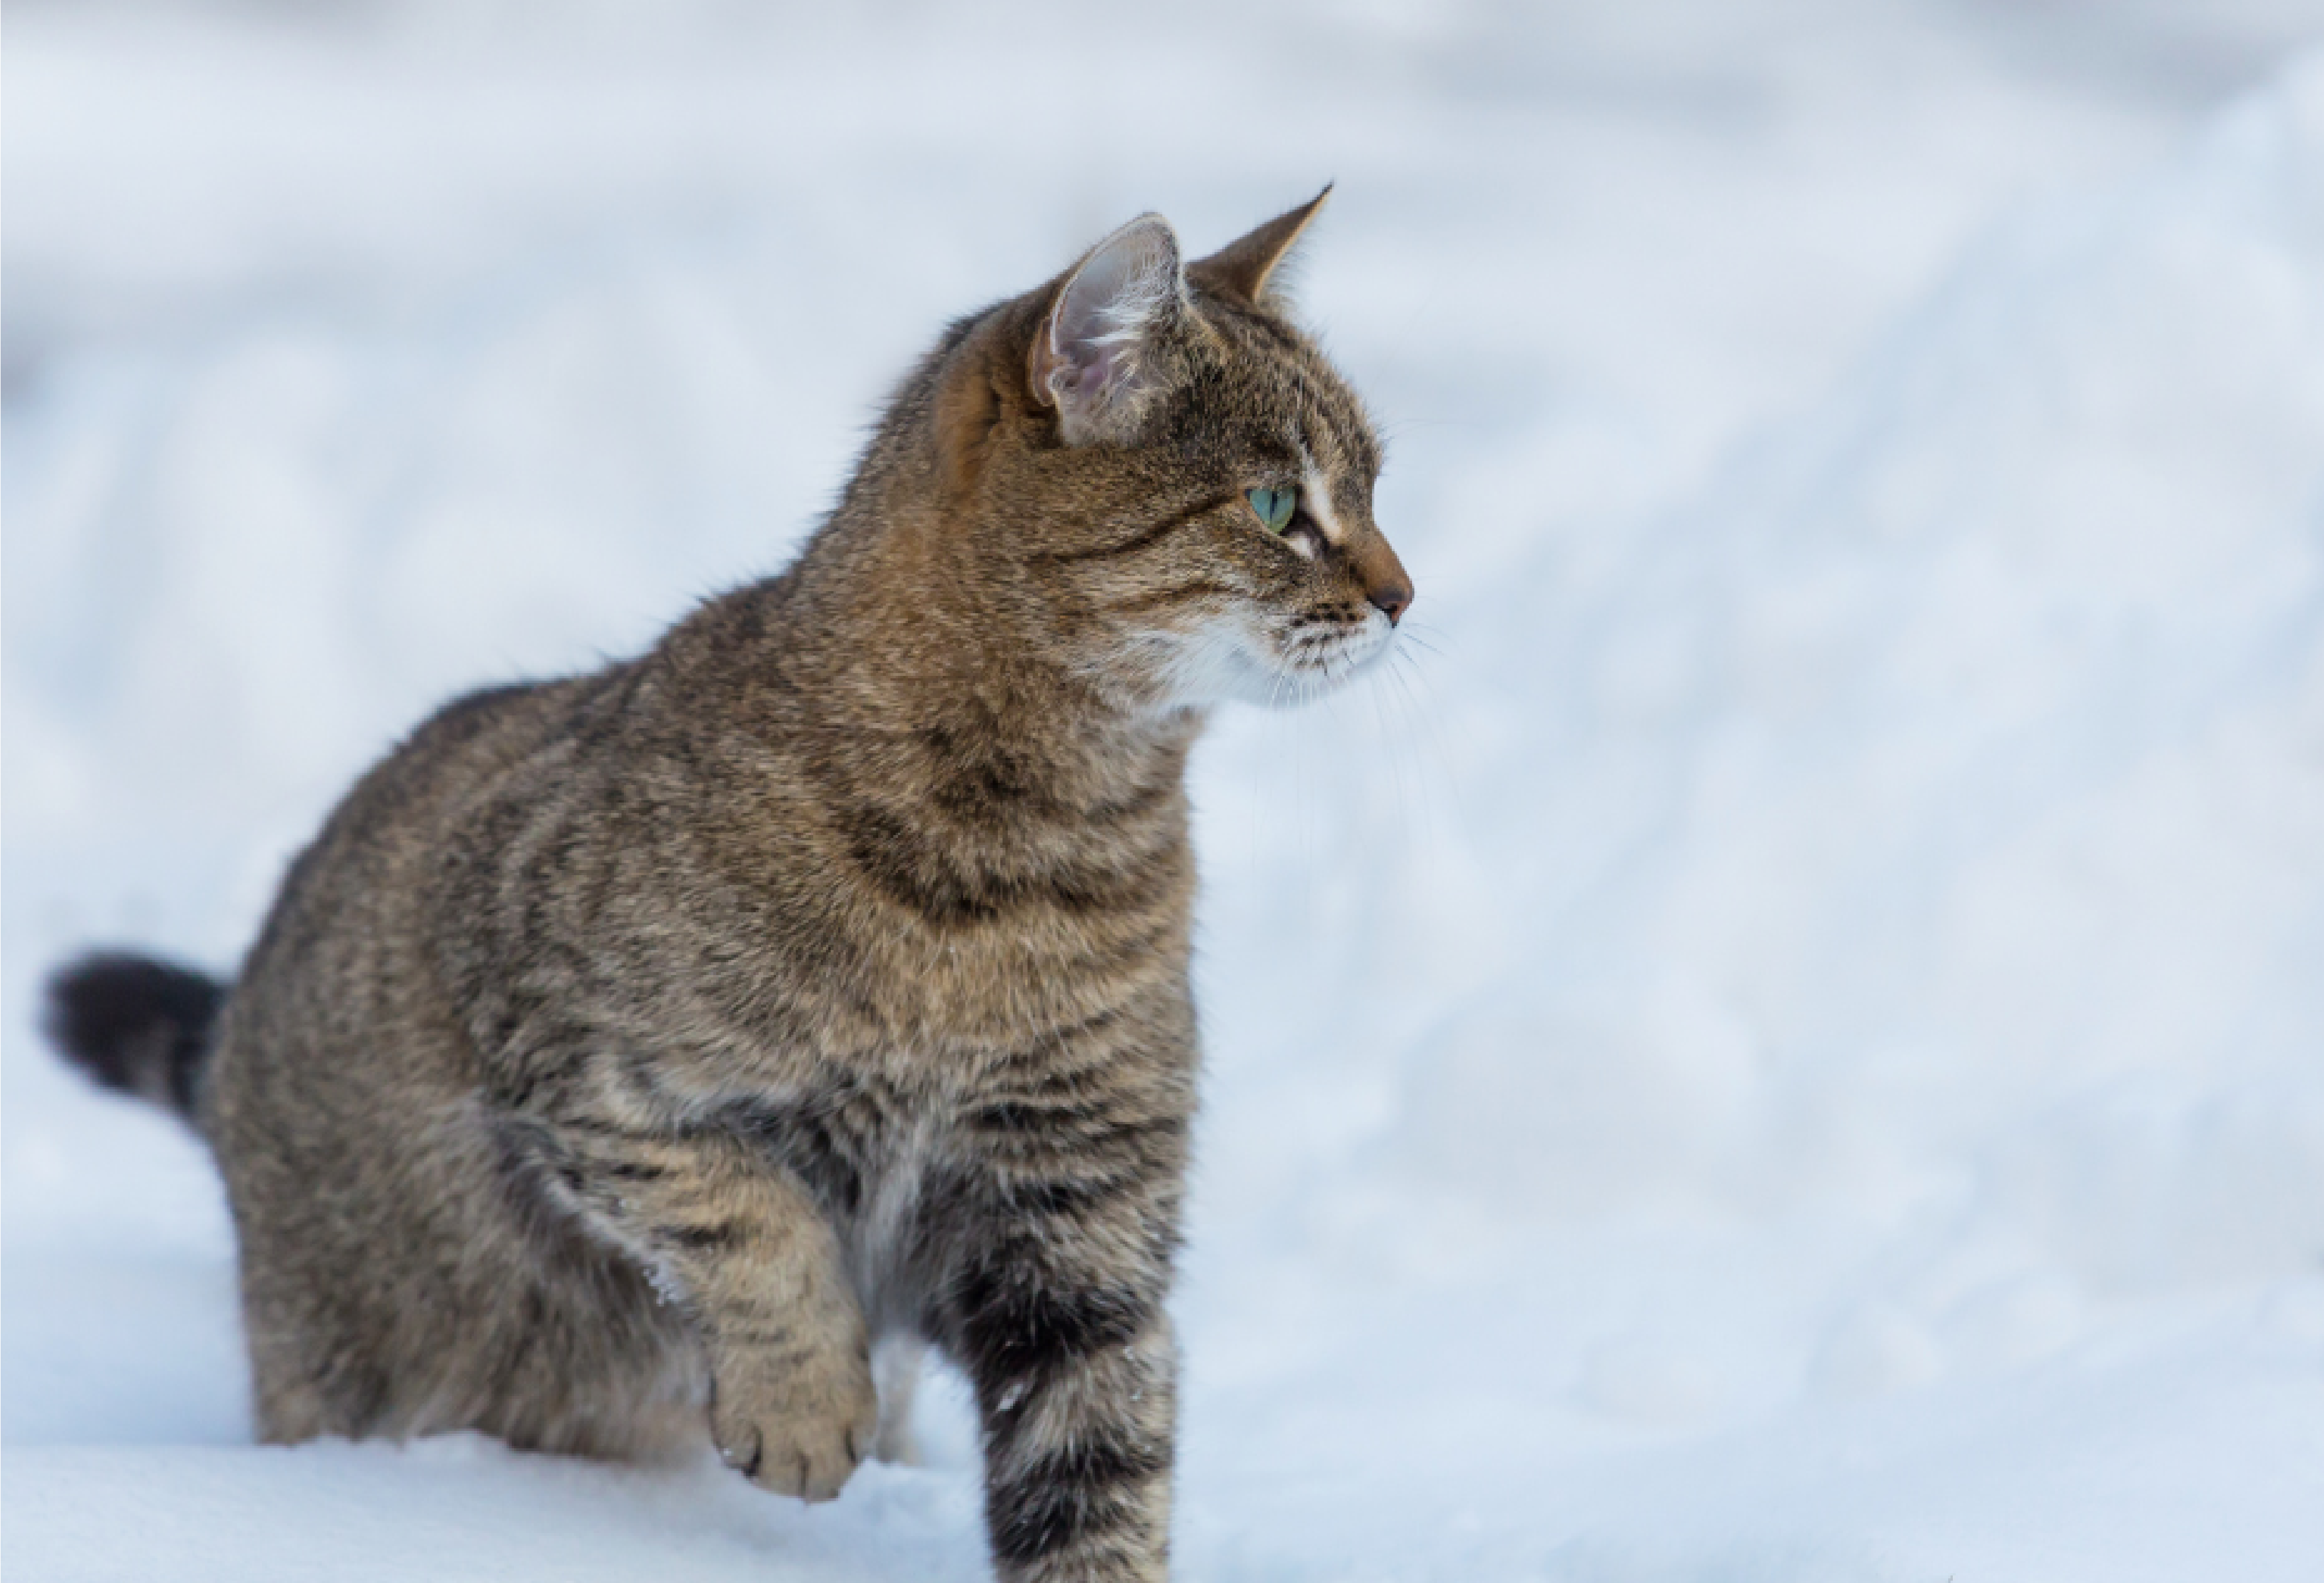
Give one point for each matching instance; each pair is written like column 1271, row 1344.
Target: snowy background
column 1784, row 1042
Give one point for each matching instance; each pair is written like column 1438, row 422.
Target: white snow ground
column 1786, row 1042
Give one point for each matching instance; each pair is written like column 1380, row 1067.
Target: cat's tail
column 137, row 1024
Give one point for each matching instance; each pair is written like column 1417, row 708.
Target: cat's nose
column 1381, row 574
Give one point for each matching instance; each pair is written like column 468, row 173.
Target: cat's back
column 399, row 814
column 349, row 937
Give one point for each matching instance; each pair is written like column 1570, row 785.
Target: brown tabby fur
column 631, row 1051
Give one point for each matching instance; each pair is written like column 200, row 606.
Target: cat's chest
column 994, row 961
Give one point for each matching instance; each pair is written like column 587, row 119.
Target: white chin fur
column 1227, row 664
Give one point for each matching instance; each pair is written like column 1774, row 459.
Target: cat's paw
column 796, row 1430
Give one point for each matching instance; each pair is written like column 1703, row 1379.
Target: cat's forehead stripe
column 1332, row 408
column 1324, row 401
column 1335, row 439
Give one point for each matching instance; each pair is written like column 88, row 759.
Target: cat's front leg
column 1057, row 1314
column 741, row 1245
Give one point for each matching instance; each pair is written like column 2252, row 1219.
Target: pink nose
column 1392, row 598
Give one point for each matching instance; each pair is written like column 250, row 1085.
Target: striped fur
column 632, row 1052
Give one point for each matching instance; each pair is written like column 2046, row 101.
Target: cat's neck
column 928, row 669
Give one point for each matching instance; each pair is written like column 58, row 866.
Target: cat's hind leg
column 452, row 1296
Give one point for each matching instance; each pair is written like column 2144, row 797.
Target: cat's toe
column 802, row 1442
column 812, row 1465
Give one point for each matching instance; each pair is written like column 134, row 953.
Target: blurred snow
column 1784, row 1041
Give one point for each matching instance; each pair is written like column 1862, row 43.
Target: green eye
column 1275, row 507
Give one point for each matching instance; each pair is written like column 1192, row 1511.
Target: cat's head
column 1178, row 478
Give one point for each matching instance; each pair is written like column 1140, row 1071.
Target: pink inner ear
column 1124, row 294
column 1096, row 358
column 1092, row 376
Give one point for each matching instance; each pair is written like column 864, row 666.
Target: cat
column 632, row 1051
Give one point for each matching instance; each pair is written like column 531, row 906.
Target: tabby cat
column 631, row 1052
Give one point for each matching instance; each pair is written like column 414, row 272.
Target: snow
column 1784, row 1041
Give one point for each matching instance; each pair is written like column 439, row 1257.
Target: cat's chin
column 1226, row 667
column 1311, row 669
column 1309, row 680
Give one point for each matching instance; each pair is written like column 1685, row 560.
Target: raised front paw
column 795, row 1426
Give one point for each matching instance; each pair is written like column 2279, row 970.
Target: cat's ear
column 1098, row 354
column 1240, row 269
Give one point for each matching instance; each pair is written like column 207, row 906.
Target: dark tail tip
column 136, row 1024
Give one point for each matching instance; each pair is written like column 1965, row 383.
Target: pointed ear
column 1240, row 270
column 1098, row 354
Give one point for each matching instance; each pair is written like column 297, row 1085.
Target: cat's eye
column 1275, row 507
